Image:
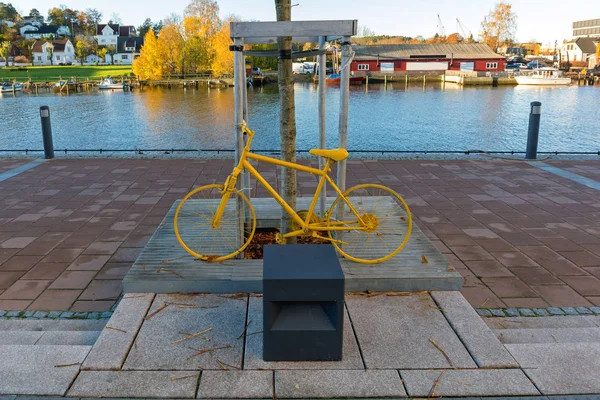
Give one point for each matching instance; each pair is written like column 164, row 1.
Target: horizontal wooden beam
column 293, row 28
column 275, row 53
column 295, row 39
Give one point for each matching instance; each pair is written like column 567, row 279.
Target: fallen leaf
column 424, row 259
column 143, row 267
column 115, row 329
column 67, row 365
column 193, row 335
column 403, row 218
column 450, row 268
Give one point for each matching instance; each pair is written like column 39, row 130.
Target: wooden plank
column 293, row 28
column 295, row 39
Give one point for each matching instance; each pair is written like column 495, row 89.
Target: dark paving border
column 567, row 175
column 21, row 168
column 537, row 312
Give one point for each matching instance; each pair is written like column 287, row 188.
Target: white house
column 53, row 52
column 44, row 32
column 577, row 50
column 93, row 59
column 107, row 34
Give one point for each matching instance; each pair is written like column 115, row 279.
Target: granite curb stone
column 560, row 368
column 479, row 382
column 396, row 332
column 479, row 340
column 19, row 337
column 526, row 312
column 338, row 383
column 236, row 384
column 31, row 369
column 70, row 338
column 151, row 384
column 113, row 345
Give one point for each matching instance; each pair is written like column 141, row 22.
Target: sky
column 545, row 21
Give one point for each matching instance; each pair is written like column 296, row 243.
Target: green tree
column 144, row 27
column 34, row 13
column 59, row 16
column 8, row 12
column 94, row 15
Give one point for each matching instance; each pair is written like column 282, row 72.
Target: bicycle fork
column 228, row 188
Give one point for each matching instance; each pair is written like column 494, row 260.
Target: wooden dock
column 165, row 267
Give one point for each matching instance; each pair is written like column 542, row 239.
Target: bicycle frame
column 305, row 225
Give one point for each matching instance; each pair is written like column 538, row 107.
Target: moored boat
column 335, row 79
column 109, row 83
column 10, row 87
column 63, row 85
column 543, row 76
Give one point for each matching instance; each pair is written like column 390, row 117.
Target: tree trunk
column 287, row 118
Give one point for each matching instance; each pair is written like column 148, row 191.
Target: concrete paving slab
column 13, row 397
column 16, row 337
column 253, row 358
column 480, row 341
column 152, row 384
column 236, row 384
column 52, row 325
column 541, row 322
column 156, row 346
column 115, row 341
column 396, row 332
column 478, row 382
column 560, row 368
column 548, row 335
column 30, row 369
column 328, row 383
column 69, row 338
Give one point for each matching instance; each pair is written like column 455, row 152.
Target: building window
column 363, row 67
column 124, row 57
column 57, row 58
column 39, row 58
column 491, row 65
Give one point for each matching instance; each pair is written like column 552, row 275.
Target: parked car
column 256, row 71
column 512, row 66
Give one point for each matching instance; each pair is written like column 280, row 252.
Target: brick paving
column 521, row 236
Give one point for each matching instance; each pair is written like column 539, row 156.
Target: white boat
column 8, row 87
column 109, row 83
column 543, row 76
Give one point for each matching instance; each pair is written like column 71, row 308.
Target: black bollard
column 47, row 132
column 534, row 130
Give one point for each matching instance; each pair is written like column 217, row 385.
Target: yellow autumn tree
column 201, row 25
column 223, row 58
column 171, row 47
column 151, row 62
column 500, row 26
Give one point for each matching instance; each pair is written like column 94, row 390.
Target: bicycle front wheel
column 381, row 232
column 194, row 224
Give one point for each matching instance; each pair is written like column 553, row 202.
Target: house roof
column 586, row 45
column 44, row 30
column 129, row 41
column 126, row 30
column 407, row 51
column 59, row 45
column 99, row 27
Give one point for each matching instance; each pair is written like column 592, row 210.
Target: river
column 392, row 118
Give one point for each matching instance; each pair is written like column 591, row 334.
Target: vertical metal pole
column 246, row 175
column 534, row 130
column 322, row 132
column 47, row 132
column 238, row 117
column 344, row 95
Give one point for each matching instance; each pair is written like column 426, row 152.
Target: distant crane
column 440, row 26
column 464, row 31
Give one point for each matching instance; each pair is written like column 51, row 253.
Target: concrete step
column 30, row 325
column 543, row 322
column 54, row 338
column 548, row 335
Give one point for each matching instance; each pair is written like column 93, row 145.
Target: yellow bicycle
column 368, row 223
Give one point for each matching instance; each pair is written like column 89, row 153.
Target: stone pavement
column 395, row 346
column 521, row 236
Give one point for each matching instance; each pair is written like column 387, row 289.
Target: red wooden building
column 394, row 58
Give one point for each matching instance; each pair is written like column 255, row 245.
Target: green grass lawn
column 51, row 74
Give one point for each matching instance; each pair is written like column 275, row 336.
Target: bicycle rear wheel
column 385, row 228
column 194, row 224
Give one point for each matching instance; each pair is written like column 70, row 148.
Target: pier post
column 322, row 116
column 534, row 130
column 47, row 132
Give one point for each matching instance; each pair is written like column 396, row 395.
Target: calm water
column 393, row 119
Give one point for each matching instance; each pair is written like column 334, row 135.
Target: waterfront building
column 107, row 34
column 390, row 59
column 587, row 28
column 128, row 49
column 577, row 50
column 53, row 52
column 44, row 31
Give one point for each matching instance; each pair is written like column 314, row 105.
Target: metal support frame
column 302, row 32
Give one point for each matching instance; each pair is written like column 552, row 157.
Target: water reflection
column 395, row 116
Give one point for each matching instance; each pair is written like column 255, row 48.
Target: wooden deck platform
column 165, row 267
